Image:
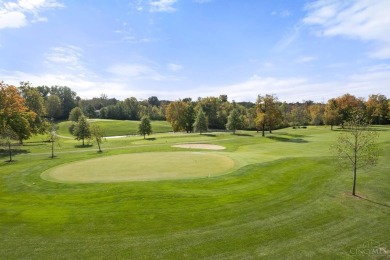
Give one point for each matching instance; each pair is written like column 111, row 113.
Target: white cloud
column 12, row 19
column 371, row 80
column 288, row 38
column 174, row 67
column 16, row 14
column 162, row 6
column 361, row 19
column 65, row 57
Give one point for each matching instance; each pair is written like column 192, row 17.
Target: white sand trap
column 200, row 146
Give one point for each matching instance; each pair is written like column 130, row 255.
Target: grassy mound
column 141, row 167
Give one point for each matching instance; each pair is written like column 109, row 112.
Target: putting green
column 141, row 167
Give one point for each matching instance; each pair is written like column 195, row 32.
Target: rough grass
column 283, row 200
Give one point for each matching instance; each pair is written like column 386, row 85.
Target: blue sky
column 298, row 50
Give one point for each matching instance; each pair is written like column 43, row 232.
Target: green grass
column 283, row 200
column 117, row 127
column 141, row 167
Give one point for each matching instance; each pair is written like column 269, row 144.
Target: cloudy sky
column 298, row 50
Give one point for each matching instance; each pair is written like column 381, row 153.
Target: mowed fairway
column 282, row 199
column 141, row 166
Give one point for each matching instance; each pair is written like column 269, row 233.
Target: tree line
column 28, row 110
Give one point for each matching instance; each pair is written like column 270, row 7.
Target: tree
column 82, row 129
column 145, row 128
column 14, row 114
column 133, row 108
column 332, row 115
column 53, row 107
column 299, row 115
column 67, row 99
column 153, row 101
column 97, row 133
column 201, row 123
column 36, row 104
column 53, row 137
column 234, row 120
column 7, row 137
column 176, row 115
column 75, row 114
column 21, row 124
column 348, row 104
column 189, row 117
column 268, row 113
column 356, row 146
column 377, row 107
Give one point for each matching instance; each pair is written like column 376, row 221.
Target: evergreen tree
column 234, row 120
column 201, row 123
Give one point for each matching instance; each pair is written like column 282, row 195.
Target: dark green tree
column 189, row 118
column 68, row 99
column 201, row 123
column 75, row 114
column 53, row 107
column 145, row 127
column 82, row 129
column 234, row 120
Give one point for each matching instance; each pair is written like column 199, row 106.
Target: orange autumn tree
column 14, row 115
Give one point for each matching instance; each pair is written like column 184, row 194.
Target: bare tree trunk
column 263, row 129
column 98, row 146
column 52, row 149
column 10, row 152
column 355, row 164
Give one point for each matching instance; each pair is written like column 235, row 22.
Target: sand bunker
column 200, row 146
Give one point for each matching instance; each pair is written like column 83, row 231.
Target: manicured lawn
column 141, row 167
column 117, row 127
column 283, row 199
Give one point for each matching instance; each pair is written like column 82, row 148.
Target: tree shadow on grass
column 5, row 152
column 286, row 139
column 248, row 135
column 374, row 202
column 83, row 146
column 209, row 135
column 150, row 139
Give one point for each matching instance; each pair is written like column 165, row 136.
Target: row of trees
column 26, row 110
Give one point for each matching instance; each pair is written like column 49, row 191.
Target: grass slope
column 117, row 127
column 284, row 200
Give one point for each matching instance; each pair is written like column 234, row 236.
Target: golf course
column 215, row 195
